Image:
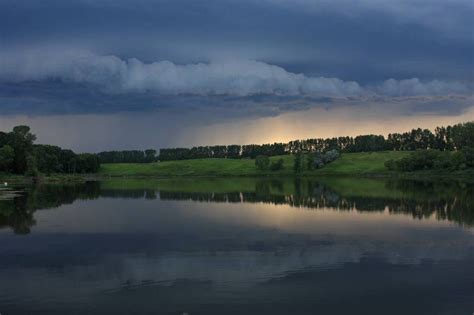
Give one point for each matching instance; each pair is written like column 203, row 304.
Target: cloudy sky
column 120, row 74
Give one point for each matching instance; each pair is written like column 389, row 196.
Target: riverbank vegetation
column 19, row 155
column 447, row 152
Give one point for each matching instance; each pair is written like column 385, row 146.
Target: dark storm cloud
column 360, row 41
column 263, row 57
column 59, row 98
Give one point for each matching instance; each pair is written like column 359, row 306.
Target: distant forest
column 130, row 156
column 448, row 138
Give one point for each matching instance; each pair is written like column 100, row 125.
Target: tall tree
column 22, row 143
column 462, row 135
column 297, row 163
column 150, row 155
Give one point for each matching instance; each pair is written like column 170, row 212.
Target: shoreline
column 349, row 165
column 459, row 176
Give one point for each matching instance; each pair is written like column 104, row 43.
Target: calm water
column 238, row 246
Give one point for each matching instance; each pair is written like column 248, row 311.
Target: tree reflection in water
column 452, row 201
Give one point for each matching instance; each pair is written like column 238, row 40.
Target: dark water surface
column 238, row 246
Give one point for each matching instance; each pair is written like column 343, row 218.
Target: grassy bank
column 349, row 164
column 369, row 164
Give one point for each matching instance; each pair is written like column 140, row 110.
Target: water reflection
column 240, row 246
column 451, row 201
column 17, row 212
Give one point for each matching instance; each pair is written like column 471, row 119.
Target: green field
column 369, row 164
column 349, row 164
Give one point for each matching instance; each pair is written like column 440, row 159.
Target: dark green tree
column 463, row 135
column 310, row 161
column 7, row 157
column 4, row 138
column 233, row 151
column 22, row 142
column 87, row 163
column 67, row 159
column 150, row 155
column 47, row 158
column 31, row 166
column 297, row 164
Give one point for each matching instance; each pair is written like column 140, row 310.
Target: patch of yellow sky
column 323, row 123
column 95, row 132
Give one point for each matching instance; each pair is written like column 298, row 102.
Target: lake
column 238, row 246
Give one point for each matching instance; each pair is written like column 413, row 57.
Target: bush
column 330, row 156
column 318, row 161
column 458, row 160
column 277, row 165
column 262, row 162
column 469, row 155
column 321, row 159
column 391, row 165
column 443, row 161
column 418, row 160
column 433, row 159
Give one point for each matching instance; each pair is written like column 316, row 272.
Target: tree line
column 130, row 156
column 19, row 155
column 448, row 138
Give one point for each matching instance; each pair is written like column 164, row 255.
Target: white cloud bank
column 229, row 77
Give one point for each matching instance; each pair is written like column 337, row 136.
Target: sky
column 96, row 75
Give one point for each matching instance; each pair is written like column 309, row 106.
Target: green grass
column 197, row 167
column 362, row 163
column 347, row 164
column 370, row 164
